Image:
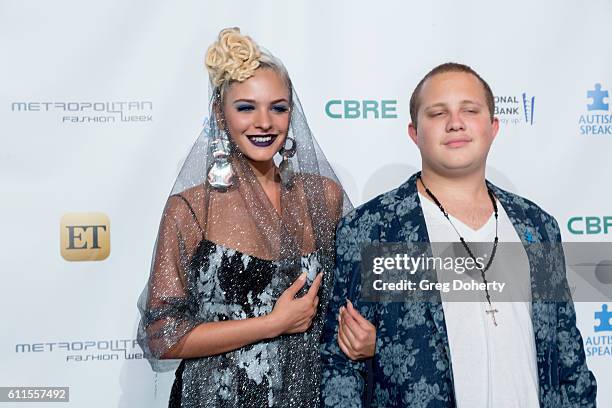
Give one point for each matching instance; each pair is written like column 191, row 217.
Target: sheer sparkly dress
column 229, row 256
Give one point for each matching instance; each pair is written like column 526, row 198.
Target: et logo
column 365, row 109
column 590, row 225
column 85, row 236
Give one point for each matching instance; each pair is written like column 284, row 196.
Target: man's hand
column 356, row 335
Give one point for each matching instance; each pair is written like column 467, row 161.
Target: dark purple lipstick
column 263, row 140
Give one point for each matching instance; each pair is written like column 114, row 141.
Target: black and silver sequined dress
column 229, row 255
column 281, row 372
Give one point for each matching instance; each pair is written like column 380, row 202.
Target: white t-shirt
column 493, row 366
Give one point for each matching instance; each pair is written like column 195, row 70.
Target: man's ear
column 495, row 128
column 412, row 132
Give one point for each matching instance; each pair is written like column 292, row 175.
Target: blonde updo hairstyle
column 235, row 57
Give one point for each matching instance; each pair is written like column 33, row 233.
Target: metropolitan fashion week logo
column 85, row 351
column 515, row 109
column 95, row 112
column 361, row 109
column 597, row 120
column 85, row 237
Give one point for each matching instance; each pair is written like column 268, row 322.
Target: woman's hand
column 290, row 315
column 356, row 335
column 294, row 315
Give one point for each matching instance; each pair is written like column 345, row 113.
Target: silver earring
column 221, row 174
column 286, row 167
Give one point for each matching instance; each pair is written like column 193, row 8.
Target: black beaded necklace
column 491, row 311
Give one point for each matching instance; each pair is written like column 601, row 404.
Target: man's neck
column 464, row 188
column 464, row 197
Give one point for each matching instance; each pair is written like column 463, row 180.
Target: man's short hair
column 415, row 102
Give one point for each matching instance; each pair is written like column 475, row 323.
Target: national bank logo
column 361, row 109
column 85, row 237
column 96, row 112
column 600, row 344
column 590, row 225
column 598, row 119
column 515, row 109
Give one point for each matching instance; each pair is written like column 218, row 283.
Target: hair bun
column 233, row 57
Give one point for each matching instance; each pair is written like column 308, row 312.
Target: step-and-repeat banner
column 100, row 102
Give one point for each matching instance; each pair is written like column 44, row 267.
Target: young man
column 444, row 354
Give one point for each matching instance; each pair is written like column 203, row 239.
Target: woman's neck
column 265, row 172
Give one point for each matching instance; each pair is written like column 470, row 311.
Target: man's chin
column 455, row 170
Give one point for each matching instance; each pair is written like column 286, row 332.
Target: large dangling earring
column 286, row 168
column 221, row 175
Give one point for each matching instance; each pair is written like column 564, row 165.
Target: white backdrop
column 101, row 100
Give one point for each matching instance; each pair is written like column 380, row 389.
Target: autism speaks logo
column 604, row 319
column 515, row 109
column 600, row 344
column 598, row 119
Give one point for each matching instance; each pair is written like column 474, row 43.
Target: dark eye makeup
column 247, row 107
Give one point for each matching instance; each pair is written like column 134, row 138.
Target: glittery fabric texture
column 229, row 255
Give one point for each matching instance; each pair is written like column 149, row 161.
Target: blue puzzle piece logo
column 598, row 98
column 528, row 236
column 604, row 319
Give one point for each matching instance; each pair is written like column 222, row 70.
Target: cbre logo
column 590, row 225
column 361, row 109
